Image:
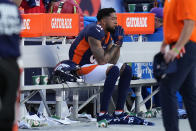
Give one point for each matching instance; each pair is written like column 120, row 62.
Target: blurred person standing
column 158, row 33
column 9, row 71
column 158, row 25
column 180, row 34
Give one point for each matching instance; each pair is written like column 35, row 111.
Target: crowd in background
column 88, row 7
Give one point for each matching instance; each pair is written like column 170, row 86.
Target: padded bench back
column 44, row 55
column 49, row 55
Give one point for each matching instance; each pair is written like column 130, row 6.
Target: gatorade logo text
column 136, row 22
column 61, row 23
column 26, row 24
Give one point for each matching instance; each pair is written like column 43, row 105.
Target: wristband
column 176, row 50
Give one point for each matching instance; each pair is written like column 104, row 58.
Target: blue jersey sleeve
column 96, row 31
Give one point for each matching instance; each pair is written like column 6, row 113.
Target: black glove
column 161, row 68
column 118, row 35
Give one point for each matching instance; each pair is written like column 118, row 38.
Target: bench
column 44, row 56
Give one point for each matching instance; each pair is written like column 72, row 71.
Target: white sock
column 118, row 112
column 101, row 113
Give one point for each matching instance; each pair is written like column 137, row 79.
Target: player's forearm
column 115, row 57
column 185, row 34
column 111, row 53
column 99, row 56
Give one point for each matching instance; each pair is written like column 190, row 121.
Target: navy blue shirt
column 10, row 26
column 156, row 36
column 80, row 52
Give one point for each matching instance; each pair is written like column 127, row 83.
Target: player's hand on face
column 118, row 35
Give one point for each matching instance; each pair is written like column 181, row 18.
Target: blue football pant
column 184, row 80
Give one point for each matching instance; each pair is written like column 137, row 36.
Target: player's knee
column 126, row 69
column 113, row 70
